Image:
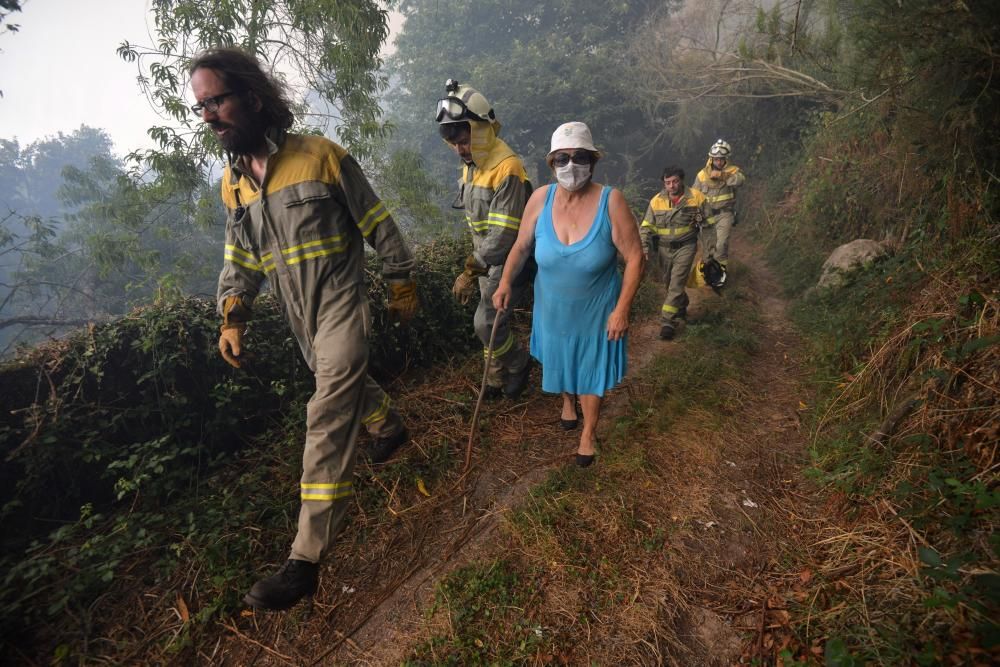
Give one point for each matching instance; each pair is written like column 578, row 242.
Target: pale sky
column 60, row 70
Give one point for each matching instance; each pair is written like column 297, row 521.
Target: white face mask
column 573, row 176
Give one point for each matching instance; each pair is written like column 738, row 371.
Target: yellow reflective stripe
column 673, row 231
column 326, row 491
column 670, row 309
column 236, row 260
column 647, row 223
column 711, row 220
column 328, row 241
column 505, row 221
column 478, row 225
column 313, row 255
column 267, row 262
column 501, row 216
column 505, row 225
column 380, row 413
column 369, row 222
column 503, row 349
column 236, row 250
column 325, row 247
column 717, row 198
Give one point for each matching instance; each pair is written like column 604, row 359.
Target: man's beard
column 240, row 140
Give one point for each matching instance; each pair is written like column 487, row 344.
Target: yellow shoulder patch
column 306, row 158
column 660, row 203
column 494, row 177
column 695, row 198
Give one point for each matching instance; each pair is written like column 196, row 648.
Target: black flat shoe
column 568, row 424
column 584, row 460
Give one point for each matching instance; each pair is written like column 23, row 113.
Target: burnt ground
column 727, row 486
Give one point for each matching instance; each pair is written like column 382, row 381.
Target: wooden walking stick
column 482, row 390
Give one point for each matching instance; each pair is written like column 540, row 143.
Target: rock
column 853, row 255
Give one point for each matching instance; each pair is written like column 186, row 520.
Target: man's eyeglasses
column 579, row 157
column 212, row 104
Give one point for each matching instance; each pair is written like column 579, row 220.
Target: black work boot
column 516, row 382
column 666, row 332
column 492, row 393
column 295, row 580
column 382, row 448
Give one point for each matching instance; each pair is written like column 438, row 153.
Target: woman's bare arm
column 625, row 236
column 523, row 246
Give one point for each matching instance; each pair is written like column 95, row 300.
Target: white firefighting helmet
column 463, row 103
column 714, row 273
column 720, row 149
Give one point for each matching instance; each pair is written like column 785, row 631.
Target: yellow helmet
column 720, row 149
column 463, row 103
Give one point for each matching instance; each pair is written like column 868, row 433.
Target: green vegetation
column 904, row 355
column 136, row 462
column 163, row 456
column 484, row 606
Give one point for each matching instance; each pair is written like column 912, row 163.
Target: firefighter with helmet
column 718, row 181
column 493, row 190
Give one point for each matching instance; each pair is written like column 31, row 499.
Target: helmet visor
column 454, row 109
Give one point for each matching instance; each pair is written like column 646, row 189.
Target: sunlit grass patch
column 483, row 617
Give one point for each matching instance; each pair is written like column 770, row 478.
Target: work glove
column 468, row 281
column 403, row 301
column 230, row 342
column 716, row 174
column 465, row 286
column 235, row 315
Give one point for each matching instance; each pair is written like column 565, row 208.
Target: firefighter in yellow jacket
column 493, row 191
column 718, row 181
column 299, row 212
column 669, row 234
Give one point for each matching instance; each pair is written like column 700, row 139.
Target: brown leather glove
column 235, row 311
column 403, row 301
column 467, row 281
column 465, row 286
column 716, row 174
column 235, row 315
column 230, row 341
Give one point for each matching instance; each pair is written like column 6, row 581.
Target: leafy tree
column 102, row 242
column 8, row 7
column 743, row 69
column 326, row 51
column 31, row 175
column 538, row 64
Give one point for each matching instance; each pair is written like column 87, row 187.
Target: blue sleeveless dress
column 576, row 289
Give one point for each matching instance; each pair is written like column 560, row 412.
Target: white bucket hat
column 573, row 135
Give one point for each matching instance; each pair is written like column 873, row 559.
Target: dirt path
column 730, row 481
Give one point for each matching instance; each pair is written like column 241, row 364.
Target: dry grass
column 936, row 397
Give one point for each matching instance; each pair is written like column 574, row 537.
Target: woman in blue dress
column 576, row 229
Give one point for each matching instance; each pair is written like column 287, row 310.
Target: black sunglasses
column 579, row 157
column 212, row 104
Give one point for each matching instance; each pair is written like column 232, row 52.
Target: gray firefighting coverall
column 721, row 196
column 669, row 234
column 303, row 229
column 494, row 191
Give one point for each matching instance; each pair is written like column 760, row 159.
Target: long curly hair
column 242, row 72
